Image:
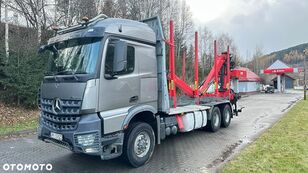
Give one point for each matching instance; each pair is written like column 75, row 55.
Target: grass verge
column 283, row 148
column 14, row 119
column 15, row 128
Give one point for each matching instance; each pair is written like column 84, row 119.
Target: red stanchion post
column 183, row 65
column 172, row 84
column 196, row 70
column 215, row 67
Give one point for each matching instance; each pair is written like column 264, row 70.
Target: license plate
column 56, row 136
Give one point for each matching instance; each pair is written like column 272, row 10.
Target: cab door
column 122, row 89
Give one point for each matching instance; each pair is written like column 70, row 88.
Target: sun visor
column 87, row 32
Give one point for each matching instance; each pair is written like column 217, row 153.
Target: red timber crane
column 219, row 77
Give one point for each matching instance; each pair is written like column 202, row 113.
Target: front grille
column 60, row 125
column 64, row 119
column 68, row 107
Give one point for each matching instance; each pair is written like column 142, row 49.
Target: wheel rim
column 216, row 120
column 227, row 116
column 142, row 144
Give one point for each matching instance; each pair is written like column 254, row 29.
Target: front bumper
column 107, row 146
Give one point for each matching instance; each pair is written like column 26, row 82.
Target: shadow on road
column 84, row 163
column 163, row 160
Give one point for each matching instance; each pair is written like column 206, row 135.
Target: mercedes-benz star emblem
column 56, row 105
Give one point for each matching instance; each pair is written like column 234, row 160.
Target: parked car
column 269, row 89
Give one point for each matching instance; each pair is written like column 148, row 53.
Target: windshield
column 77, row 56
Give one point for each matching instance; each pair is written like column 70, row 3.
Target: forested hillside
column 293, row 56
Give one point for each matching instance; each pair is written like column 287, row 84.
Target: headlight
column 86, row 140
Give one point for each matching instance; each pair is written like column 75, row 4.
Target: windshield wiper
column 75, row 76
column 69, row 72
column 52, row 74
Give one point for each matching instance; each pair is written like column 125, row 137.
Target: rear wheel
column 226, row 116
column 139, row 143
column 214, row 124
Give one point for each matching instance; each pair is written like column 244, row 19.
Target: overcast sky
column 270, row 24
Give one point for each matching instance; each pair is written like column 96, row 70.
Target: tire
column 143, row 133
column 214, row 124
column 226, row 116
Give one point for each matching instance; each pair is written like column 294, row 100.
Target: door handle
column 133, row 99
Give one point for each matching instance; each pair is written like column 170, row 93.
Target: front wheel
column 139, row 144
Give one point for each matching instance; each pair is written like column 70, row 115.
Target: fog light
column 91, row 150
column 86, row 140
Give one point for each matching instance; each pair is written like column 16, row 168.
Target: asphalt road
column 196, row 151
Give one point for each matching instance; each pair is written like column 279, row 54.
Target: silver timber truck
column 106, row 92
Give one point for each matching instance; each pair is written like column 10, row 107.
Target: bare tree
column 256, row 59
column 87, row 8
column 109, row 7
column 205, row 48
column 33, row 12
column 7, row 49
column 39, row 16
column 223, row 41
column 0, row 9
column 68, row 17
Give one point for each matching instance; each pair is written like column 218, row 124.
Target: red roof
column 244, row 74
column 279, row 67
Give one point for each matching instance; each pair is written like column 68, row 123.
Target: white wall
column 249, row 86
column 235, row 85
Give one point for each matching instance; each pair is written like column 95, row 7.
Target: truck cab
column 101, row 75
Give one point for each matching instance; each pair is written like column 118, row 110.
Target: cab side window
column 110, row 56
column 130, row 59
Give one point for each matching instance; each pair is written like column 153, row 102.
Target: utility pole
column 305, row 87
column 304, row 77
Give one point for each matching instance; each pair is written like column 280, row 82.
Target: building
column 289, row 81
column 246, row 81
column 280, row 69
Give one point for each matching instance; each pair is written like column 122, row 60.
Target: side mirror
column 120, row 57
column 42, row 49
column 48, row 47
